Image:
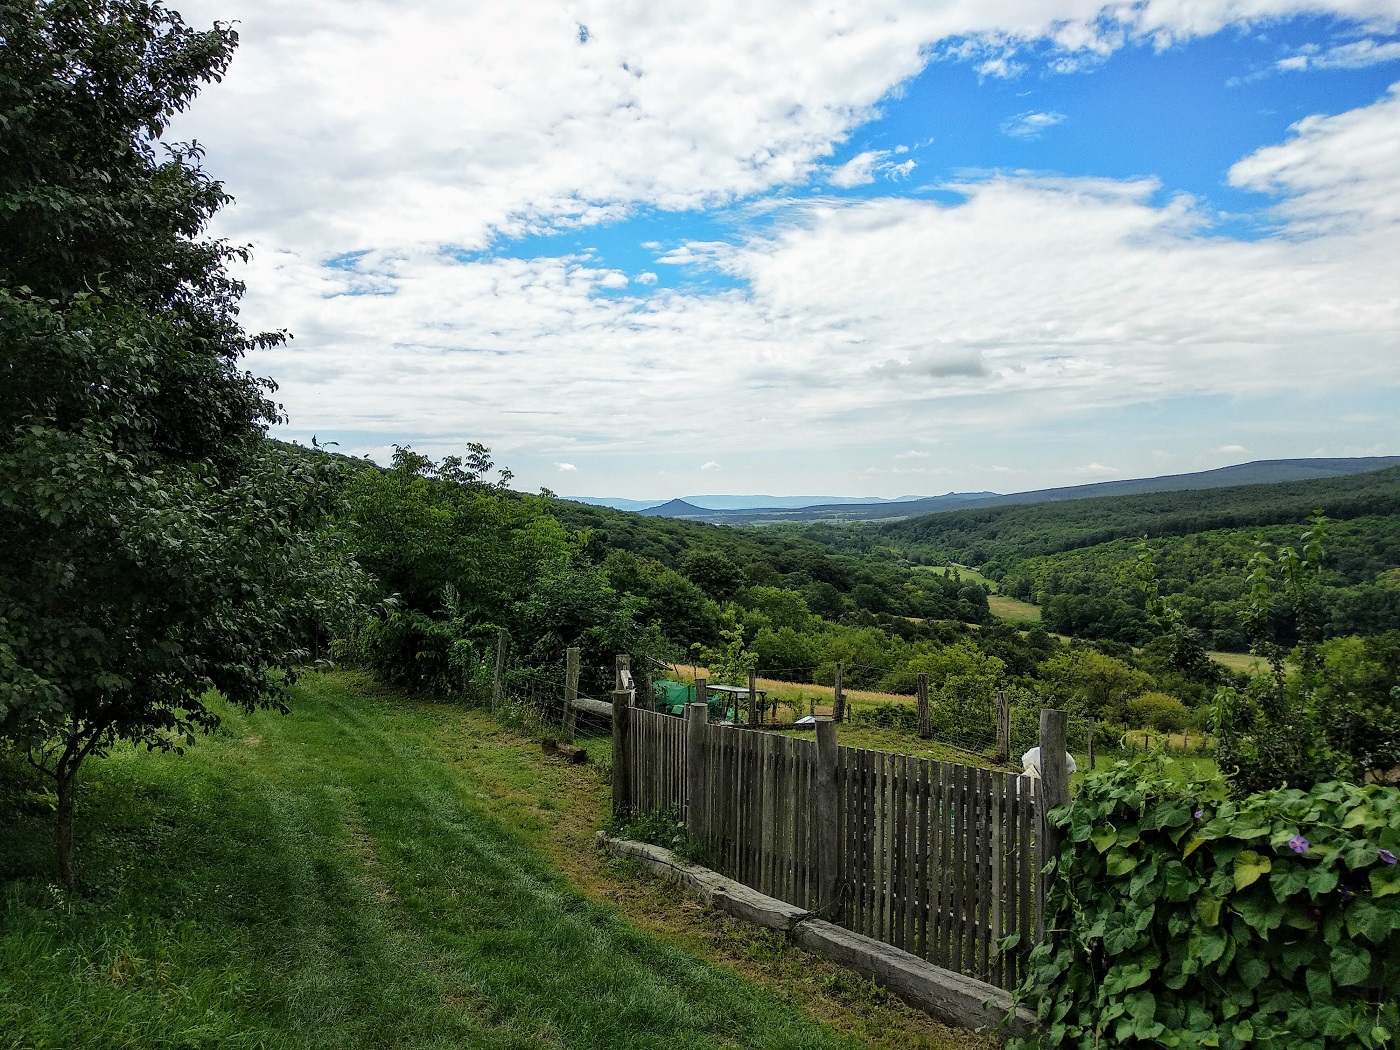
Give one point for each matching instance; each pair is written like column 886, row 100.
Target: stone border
column 941, row 993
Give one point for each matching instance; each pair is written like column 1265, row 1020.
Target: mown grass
column 365, row 872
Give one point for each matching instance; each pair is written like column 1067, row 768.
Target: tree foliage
column 158, row 545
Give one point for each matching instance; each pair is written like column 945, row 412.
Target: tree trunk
column 67, row 780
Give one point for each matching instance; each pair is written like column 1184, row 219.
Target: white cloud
column 400, row 128
column 1030, row 125
column 709, row 465
column 1232, row 448
column 565, row 468
column 1353, row 55
column 1096, row 470
column 341, row 127
column 913, row 454
column 863, row 168
column 857, row 171
column 1335, row 174
column 1034, row 299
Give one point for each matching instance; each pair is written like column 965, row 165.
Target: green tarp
column 673, row 696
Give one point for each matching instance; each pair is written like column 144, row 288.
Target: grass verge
column 370, row 872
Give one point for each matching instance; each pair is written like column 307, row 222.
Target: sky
column 650, row 249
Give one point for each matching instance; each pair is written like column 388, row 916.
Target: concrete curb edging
column 948, row 996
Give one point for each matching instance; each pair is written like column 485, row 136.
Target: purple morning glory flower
column 1200, row 813
column 1386, row 856
column 1298, row 844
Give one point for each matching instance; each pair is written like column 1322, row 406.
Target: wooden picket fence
column 932, row 857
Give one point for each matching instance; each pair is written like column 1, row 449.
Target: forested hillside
column 1067, row 557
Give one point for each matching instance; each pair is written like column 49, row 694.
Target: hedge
column 1178, row 918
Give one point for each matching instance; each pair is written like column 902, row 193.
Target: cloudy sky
column 882, row 247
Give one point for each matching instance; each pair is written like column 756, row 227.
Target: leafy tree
column 459, row 556
column 1335, row 714
column 157, row 544
column 713, row 572
column 728, row 663
column 777, row 607
column 1090, row 683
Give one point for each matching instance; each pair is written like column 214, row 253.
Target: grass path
column 368, row 872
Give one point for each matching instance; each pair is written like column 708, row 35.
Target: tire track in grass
column 548, row 966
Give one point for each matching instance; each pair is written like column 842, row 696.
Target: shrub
column 1158, row 711
column 1177, row 918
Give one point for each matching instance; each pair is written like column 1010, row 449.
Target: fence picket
column 939, row 859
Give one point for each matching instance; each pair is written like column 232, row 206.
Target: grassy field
column 968, row 575
column 1239, row 661
column 1008, row 608
column 371, row 872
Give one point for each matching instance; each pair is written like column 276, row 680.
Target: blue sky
column 874, row 250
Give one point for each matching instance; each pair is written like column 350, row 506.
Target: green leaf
column 1288, row 879
column 1262, row 913
column 1180, row 883
column 1366, row 918
column 1208, row 908
column 1385, row 881
column 1121, row 862
column 1253, row 971
column 1213, row 942
column 1322, row 880
column 1319, row 984
column 1249, row 868
column 1351, row 963
column 1120, row 933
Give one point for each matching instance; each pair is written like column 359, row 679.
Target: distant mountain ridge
column 722, row 502
column 1257, row 472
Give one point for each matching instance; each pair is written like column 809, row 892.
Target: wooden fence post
column 624, row 672
column 1053, row 791
column 925, row 722
column 1092, row 724
column 1003, row 726
column 621, row 768
column 702, row 696
column 697, row 773
column 753, row 698
column 838, row 695
column 497, row 676
column 570, row 694
column 827, row 804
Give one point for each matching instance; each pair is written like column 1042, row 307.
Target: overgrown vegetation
column 1177, row 917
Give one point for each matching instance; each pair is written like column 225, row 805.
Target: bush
column 1158, row 711
column 1177, row 918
